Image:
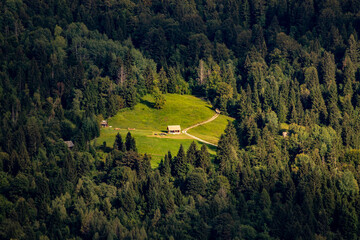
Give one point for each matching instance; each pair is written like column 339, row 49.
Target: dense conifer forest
column 288, row 71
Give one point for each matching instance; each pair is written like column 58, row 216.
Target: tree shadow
column 211, row 108
column 211, row 147
column 147, row 103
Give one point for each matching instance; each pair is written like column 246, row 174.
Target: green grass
column 183, row 110
column 156, row 146
column 211, row 131
column 284, row 126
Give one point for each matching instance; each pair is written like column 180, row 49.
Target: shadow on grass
column 213, row 148
column 105, row 149
column 210, row 147
column 211, row 108
column 147, row 103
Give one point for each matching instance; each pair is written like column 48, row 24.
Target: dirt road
column 198, row 124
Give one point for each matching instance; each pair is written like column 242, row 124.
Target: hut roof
column 174, row 127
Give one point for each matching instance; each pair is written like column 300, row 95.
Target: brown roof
column 70, row 144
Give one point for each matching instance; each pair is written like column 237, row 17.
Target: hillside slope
column 183, row 110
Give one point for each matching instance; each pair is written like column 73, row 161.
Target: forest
column 288, row 71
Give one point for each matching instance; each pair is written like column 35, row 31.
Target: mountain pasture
column 147, row 123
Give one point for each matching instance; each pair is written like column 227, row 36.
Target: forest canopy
column 288, row 71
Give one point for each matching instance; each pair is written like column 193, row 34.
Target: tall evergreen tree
column 164, row 166
column 130, row 143
column 179, row 167
column 203, row 158
column 191, row 153
column 227, row 148
column 119, row 144
column 317, row 100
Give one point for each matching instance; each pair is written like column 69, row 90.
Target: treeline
column 262, row 192
column 287, row 168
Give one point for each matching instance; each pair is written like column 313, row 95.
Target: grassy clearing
column 211, row 131
column 146, row 142
column 183, row 110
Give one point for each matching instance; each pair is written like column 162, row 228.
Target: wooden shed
column 104, row 123
column 174, row 129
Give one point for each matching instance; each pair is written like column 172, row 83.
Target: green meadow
column 147, row 122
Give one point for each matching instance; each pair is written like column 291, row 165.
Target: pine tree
column 349, row 77
column 331, row 94
column 353, row 50
column 203, row 158
column 119, row 144
column 334, row 115
column 317, row 100
column 294, row 118
column 245, row 14
column 159, row 99
column 161, row 167
column 259, row 10
column 149, row 78
column 227, row 148
column 167, row 168
column 144, row 165
column 328, row 69
column 23, row 160
column 191, row 153
column 170, row 158
column 282, row 110
column 230, row 132
column 164, row 166
column 130, row 96
column 179, row 167
column 163, row 81
column 130, row 143
column 13, row 163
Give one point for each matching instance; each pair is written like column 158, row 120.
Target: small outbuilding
column 69, row 144
column 174, row 129
column 104, row 123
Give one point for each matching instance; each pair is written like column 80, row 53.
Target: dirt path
column 198, row 124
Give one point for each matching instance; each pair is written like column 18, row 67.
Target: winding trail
column 198, row 124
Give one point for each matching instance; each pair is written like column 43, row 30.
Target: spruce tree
column 317, row 101
column 349, row 77
column 161, row 167
column 167, row 169
column 353, row 50
column 180, row 166
column 164, row 166
column 203, row 158
column 227, row 148
column 334, row 116
column 191, row 153
column 119, row 144
column 230, row 132
column 144, row 165
column 130, row 143
column 170, row 158
column 328, row 70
